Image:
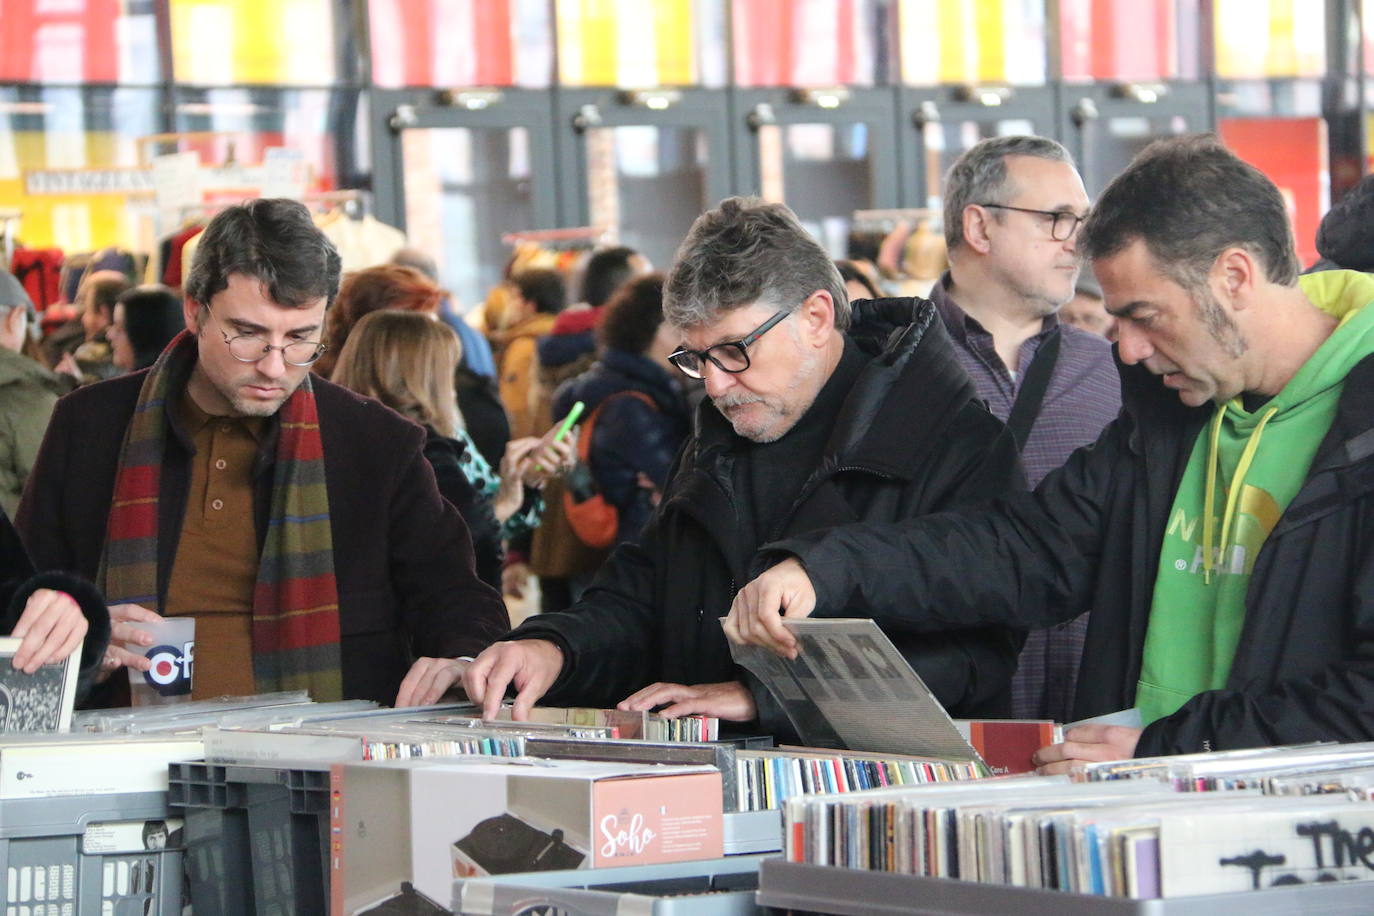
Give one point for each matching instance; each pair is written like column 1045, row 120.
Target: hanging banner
column 85, row 182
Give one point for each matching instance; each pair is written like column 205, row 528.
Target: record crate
column 256, row 837
column 800, row 888
column 76, row 854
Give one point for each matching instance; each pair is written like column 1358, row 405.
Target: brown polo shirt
column 216, row 564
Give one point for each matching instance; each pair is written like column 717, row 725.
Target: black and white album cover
column 38, row 702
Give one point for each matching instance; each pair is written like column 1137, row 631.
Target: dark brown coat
column 402, row 555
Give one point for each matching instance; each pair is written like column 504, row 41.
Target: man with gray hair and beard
column 818, row 413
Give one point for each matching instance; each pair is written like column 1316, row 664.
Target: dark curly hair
column 633, row 315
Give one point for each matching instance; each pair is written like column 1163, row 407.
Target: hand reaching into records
column 50, row 629
column 122, row 634
column 756, row 615
column 428, row 679
column 532, row 665
column 728, row 700
column 1086, row 744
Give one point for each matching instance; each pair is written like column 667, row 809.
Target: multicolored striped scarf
column 296, row 599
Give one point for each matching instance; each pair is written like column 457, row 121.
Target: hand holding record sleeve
column 50, row 629
column 847, row 686
column 1087, row 744
column 757, row 613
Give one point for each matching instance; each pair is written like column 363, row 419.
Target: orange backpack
column 593, row 519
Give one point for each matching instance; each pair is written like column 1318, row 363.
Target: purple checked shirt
column 1083, row 396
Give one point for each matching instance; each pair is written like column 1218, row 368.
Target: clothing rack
column 887, row 220
column 144, row 143
column 355, row 202
column 579, row 238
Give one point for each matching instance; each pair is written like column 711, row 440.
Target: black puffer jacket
column 19, row 580
column 445, row 456
column 630, row 437
column 912, row 438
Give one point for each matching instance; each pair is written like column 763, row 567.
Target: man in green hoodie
column 1222, row 529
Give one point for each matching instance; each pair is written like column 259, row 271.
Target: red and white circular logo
column 168, row 675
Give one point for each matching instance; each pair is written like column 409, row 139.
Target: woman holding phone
column 406, row 360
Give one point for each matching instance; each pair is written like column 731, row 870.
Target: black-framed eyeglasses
column 731, row 356
column 250, row 348
column 1063, row 223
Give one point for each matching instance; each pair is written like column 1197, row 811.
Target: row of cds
column 766, row 779
column 1137, row 830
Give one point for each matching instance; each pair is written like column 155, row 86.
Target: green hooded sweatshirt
column 1244, row 470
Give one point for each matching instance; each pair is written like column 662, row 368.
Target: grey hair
column 748, row 250
column 979, row 175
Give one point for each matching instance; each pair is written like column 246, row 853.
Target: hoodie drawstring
column 1247, row 457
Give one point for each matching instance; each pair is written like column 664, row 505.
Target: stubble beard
column 780, row 413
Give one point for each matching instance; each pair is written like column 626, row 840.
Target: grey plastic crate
column 711, row 887
column 257, row 838
column 854, row 892
column 45, row 870
column 752, row 832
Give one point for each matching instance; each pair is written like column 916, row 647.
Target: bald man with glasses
column 299, row 524
column 818, row 412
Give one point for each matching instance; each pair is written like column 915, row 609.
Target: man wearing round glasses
column 297, row 523
column 818, row 413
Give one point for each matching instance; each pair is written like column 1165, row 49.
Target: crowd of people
column 340, row 477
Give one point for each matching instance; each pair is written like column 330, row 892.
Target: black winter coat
column 912, row 438
column 629, row 437
column 19, row 580
column 445, row 456
column 1090, row 537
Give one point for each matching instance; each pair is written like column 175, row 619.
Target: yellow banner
column 1282, row 56
column 675, row 36
column 991, row 41
column 74, row 222
column 595, row 62
column 217, row 42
